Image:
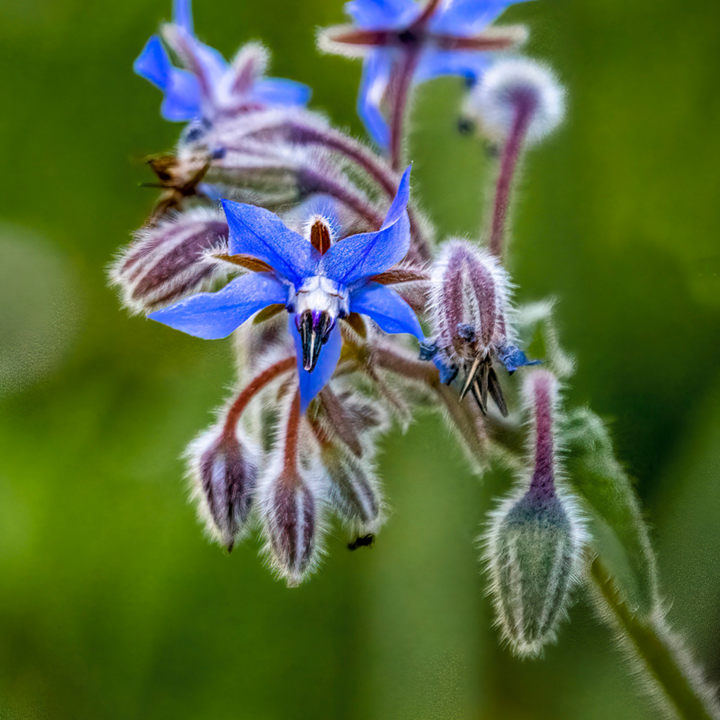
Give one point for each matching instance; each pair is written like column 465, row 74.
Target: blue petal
column 203, row 60
column 376, row 14
column 360, row 256
column 386, row 308
column 399, row 204
column 182, row 97
column 153, row 63
column 448, row 372
column 311, row 383
column 377, row 69
column 513, row 358
column 211, row 61
column 215, row 315
column 182, row 15
column 467, row 17
column 260, row 233
column 278, row 91
column 435, row 63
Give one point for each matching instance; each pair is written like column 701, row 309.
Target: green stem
column 655, row 649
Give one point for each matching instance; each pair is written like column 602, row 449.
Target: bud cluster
column 304, row 242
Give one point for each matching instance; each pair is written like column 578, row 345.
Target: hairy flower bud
column 289, row 501
column 535, row 540
column 469, row 315
column 469, row 300
column 168, row 261
column 224, row 471
column 354, row 490
column 290, row 517
column 516, row 86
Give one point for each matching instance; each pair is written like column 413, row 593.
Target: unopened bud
column 535, row 541
column 224, row 469
column 353, row 490
column 469, row 317
column 168, row 261
column 513, row 88
column 469, row 300
column 289, row 512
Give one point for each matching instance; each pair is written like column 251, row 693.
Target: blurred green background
column 114, row 606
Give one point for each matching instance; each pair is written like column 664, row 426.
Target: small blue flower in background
column 318, row 282
column 209, row 86
column 398, row 37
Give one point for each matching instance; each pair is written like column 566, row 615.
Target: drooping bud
column 517, row 86
column 289, row 506
column 290, row 517
column 469, row 316
column 469, row 300
column 168, row 261
column 354, row 490
column 535, row 540
column 224, row 470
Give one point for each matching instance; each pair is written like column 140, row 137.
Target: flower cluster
column 305, row 244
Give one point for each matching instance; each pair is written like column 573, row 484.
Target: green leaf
column 620, row 536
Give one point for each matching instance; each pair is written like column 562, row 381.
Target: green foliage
column 618, row 531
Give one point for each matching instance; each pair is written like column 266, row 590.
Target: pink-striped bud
column 289, row 501
column 290, row 515
column 469, row 315
column 168, row 261
column 224, row 471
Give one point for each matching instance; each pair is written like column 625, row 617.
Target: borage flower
column 403, row 43
column 208, row 87
column 318, row 281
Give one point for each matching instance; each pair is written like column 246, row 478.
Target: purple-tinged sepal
column 290, row 516
column 535, row 542
column 224, row 468
column 354, row 491
column 170, row 260
column 470, row 316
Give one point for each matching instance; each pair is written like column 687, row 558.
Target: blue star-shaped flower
column 318, row 282
column 404, row 42
column 209, row 87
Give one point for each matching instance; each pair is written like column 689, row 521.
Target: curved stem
column 291, row 438
column 655, row 649
column 315, row 182
column 371, row 164
column 508, row 164
column 401, row 92
column 252, row 389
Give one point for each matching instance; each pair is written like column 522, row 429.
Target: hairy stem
column 252, row 389
column 316, row 182
column 291, row 438
column 401, row 93
column 650, row 642
column 508, row 164
column 373, row 166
